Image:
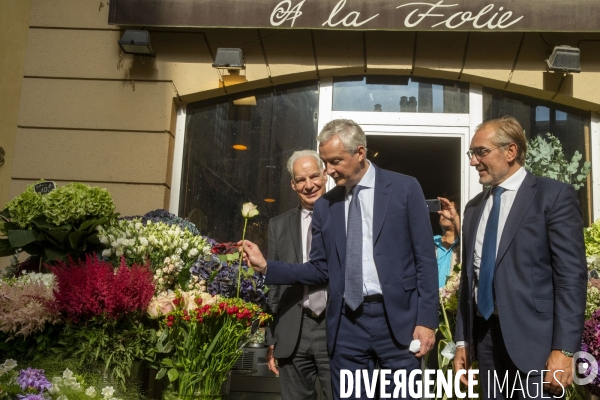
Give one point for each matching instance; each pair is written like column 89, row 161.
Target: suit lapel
column 338, row 220
column 522, row 202
column 295, row 232
column 381, row 200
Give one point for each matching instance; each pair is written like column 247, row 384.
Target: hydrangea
column 221, row 277
column 593, row 298
column 26, row 207
column 592, row 239
column 591, row 344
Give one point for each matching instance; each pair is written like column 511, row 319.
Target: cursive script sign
column 404, row 15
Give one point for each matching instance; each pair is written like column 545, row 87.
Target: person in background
column 297, row 335
column 447, row 247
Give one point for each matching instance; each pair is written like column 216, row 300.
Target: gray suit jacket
column 285, row 301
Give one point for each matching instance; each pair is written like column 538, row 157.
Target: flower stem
column 241, row 257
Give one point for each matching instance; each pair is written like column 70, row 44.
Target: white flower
column 76, row 386
column 249, row 210
column 167, row 260
column 108, row 392
column 185, row 245
column 56, row 380
column 91, row 391
column 121, row 241
column 3, row 370
column 54, row 389
column 106, row 253
column 68, row 374
column 161, row 280
column 9, row 364
column 103, row 240
column 138, row 225
column 115, row 244
column 193, row 253
column 62, row 397
column 143, row 241
column 119, row 252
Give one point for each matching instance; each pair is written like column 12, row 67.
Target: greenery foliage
column 545, row 157
column 55, row 225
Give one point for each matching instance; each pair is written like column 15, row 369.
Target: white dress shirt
column 512, row 185
column 306, row 225
column 366, row 197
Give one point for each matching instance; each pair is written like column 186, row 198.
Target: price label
column 44, row 187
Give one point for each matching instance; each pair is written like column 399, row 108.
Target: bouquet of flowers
column 169, row 249
column 162, row 215
column 56, row 225
column 204, row 335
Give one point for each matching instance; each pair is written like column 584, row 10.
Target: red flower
column 93, row 287
column 240, row 315
column 176, row 302
column 170, row 318
column 198, row 300
column 187, row 318
column 200, row 319
column 169, row 324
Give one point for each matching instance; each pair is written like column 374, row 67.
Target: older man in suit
column 372, row 242
column 523, row 283
column 297, row 335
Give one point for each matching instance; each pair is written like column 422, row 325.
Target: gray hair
column 350, row 133
column 304, row 153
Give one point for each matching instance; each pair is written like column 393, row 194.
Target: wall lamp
column 136, row 42
column 564, row 58
column 229, row 59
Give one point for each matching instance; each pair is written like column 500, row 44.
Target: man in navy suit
column 524, row 277
column 372, row 242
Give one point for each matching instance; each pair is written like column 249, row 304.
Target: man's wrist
column 461, row 344
column 567, row 353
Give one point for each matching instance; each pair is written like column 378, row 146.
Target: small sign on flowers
column 44, row 187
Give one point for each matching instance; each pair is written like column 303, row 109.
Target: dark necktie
column 485, row 294
column 353, row 289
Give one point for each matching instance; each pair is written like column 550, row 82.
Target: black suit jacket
column 540, row 279
column 285, row 301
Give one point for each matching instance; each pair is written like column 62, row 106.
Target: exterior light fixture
column 136, row 42
column 227, row 58
column 564, row 58
column 240, row 147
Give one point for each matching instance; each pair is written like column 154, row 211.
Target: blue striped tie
column 485, row 294
column 353, row 289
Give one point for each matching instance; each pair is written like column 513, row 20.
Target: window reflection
column 218, row 178
column 399, row 94
column 569, row 125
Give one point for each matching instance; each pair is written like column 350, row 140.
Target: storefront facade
column 159, row 132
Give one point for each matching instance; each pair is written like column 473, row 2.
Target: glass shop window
column 400, row 94
column 537, row 117
column 235, row 154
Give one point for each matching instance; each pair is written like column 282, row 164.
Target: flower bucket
column 205, row 385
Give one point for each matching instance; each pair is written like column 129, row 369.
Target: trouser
column 297, row 374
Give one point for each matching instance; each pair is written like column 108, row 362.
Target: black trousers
column 499, row 376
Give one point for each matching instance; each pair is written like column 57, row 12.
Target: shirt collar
column 368, row 179
column 514, row 182
column 306, row 213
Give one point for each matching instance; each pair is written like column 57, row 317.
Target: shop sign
column 402, row 15
column 44, row 187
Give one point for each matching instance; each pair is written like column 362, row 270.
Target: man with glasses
column 297, row 335
column 524, row 276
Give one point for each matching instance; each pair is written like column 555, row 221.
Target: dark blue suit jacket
column 540, row 280
column 403, row 249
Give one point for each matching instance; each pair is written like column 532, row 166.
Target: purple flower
column 31, row 379
column 32, row 397
column 591, row 344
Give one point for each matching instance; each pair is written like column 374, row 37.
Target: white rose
column 249, row 210
column 193, row 253
column 185, row 245
column 108, row 392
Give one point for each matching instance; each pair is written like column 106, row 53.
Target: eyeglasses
column 480, row 153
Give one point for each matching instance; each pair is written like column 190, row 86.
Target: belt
column 310, row 313
column 373, row 298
